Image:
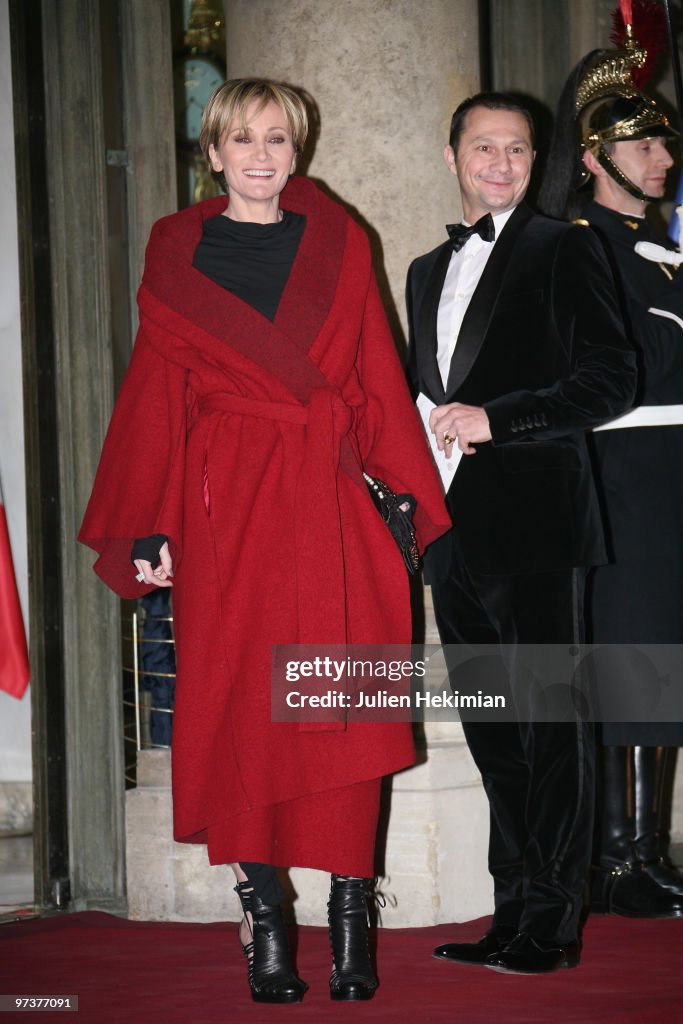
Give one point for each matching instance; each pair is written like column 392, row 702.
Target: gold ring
column 447, row 439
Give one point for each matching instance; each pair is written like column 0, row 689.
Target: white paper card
column 445, row 466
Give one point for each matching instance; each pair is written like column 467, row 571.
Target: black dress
column 252, row 261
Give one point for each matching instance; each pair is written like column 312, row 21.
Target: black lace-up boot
column 272, row 978
column 353, row 976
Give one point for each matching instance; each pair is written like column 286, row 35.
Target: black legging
column 264, row 879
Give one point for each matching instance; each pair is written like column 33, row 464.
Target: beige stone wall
column 386, row 78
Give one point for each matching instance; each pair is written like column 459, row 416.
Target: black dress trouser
column 538, row 776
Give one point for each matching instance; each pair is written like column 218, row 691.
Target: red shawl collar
column 170, row 277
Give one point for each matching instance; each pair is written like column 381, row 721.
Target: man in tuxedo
column 517, row 342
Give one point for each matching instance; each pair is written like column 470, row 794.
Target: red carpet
column 632, row 973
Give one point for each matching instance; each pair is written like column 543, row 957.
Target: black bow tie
column 459, row 233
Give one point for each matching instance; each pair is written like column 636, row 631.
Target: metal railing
column 143, row 711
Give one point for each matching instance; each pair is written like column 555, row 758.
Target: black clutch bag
column 399, row 521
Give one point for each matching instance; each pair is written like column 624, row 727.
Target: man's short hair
column 491, row 101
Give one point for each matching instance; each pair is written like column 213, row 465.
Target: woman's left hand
column 161, row 576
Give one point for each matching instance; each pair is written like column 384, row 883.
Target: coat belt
column 321, row 596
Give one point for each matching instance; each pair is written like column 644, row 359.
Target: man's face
column 645, row 162
column 493, row 163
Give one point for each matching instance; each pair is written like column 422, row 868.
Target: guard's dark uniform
column 639, row 597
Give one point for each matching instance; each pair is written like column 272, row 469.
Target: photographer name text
column 385, row 699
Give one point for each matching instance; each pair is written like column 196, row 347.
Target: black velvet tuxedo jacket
column 542, row 348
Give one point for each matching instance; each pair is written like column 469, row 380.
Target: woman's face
column 256, row 160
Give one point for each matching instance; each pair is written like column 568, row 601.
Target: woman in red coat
column 263, row 383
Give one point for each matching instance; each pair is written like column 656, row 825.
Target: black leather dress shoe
column 525, row 955
column 495, row 939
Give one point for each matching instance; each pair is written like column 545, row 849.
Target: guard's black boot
column 619, row 883
column 272, row 978
column 353, row 976
column 651, row 832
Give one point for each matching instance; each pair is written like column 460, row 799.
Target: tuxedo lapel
column 426, row 334
column 483, row 302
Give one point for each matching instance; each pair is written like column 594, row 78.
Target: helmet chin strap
column 618, row 175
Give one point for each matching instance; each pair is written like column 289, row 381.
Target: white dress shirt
column 462, row 277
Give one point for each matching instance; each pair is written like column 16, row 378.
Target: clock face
column 194, row 79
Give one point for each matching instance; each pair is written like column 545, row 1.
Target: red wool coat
column 244, row 441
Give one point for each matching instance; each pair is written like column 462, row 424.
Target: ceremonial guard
column 608, row 161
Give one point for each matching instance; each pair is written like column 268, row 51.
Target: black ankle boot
column 651, row 832
column 629, row 891
column 353, row 976
column 271, row 976
column 619, row 883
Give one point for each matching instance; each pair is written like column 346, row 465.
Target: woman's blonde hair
column 230, row 102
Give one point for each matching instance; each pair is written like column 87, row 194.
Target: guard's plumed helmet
column 609, row 105
column 603, row 103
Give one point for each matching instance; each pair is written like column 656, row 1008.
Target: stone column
column 83, row 391
column 87, row 621
column 149, row 126
column 386, row 79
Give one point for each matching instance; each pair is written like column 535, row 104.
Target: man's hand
column 466, row 424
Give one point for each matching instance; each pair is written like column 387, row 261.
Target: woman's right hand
column 161, row 576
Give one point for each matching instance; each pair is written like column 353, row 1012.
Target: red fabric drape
column 14, row 669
